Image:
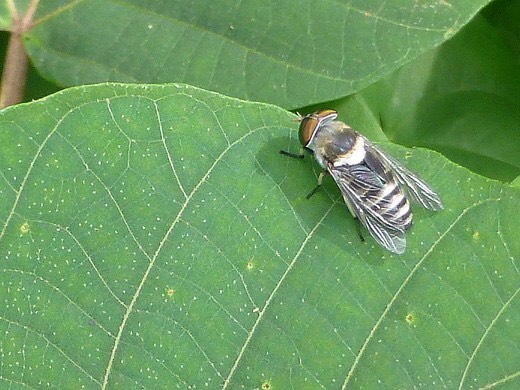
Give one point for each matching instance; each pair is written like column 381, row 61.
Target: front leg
column 293, row 155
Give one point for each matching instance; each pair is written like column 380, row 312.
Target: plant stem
column 15, row 71
column 16, row 60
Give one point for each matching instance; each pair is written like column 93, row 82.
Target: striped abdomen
column 393, row 205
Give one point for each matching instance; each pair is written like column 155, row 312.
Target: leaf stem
column 15, row 66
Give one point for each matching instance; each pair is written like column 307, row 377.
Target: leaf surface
column 153, row 237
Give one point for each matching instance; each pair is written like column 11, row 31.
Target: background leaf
column 153, row 237
column 290, row 53
column 460, row 99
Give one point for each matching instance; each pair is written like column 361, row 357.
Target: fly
column 376, row 187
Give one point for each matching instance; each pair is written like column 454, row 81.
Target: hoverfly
column 375, row 186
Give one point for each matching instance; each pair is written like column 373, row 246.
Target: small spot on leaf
column 250, row 265
column 266, row 386
column 170, row 292
column 24, row 229
column 476, row 236
column 410, row 318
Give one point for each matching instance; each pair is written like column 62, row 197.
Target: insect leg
column 358, row 228
column 293, row 155
column 320, row 180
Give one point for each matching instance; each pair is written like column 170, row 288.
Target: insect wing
column 360, row 186
column 416, row 187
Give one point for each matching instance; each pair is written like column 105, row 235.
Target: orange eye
column 308, row 126
column 310, row 123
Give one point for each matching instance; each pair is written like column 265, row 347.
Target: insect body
column 375, row 186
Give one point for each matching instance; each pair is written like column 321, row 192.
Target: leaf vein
column 403, row 285
column 157, row 252
column 269, row 299
column 506, row 305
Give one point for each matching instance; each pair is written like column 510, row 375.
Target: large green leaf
column 292, row 53
column 153, row 237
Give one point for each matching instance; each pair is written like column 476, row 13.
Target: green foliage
column 290, row 53
column 461, row 99
column 152, row 236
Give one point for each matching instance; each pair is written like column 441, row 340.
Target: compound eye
column 308, row 127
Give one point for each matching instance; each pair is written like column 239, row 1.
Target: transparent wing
column 361, row 188
column 415, row 187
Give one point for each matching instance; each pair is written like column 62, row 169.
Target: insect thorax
column 332, row 142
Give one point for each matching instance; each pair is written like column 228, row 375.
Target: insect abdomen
column 393, row 204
